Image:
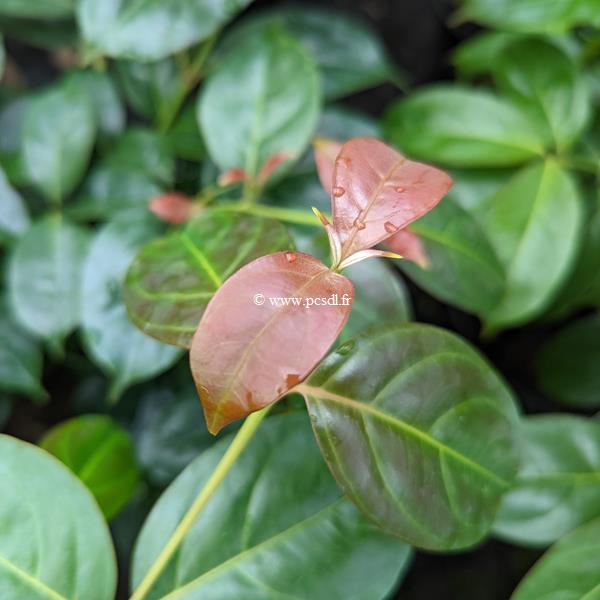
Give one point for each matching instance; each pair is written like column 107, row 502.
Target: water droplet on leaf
column 338, row 191
column 390, row 227
column 359, row 224
column 400, row 189
column 290, row 257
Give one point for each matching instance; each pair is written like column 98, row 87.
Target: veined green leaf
column 102, row 456
column 463, row 127
column 276, row 518
column 570, row 569
column 14, row 217
column 262, row 100
column 55, row 544
column 418, row 430
column 558, row 485
column 172, row 279
column 112, row 342
column 533, row 223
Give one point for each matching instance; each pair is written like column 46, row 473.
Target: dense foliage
column 165, row 175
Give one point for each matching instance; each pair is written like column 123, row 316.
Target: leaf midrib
column 255, row 549
column 29, row 580
column 407, row 428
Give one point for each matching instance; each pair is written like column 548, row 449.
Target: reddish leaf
column 377, row 191
column 326, row 152
column 172, row 207
column 232, row 176
column 271, row 165
column 409, row 246
column 246, row 353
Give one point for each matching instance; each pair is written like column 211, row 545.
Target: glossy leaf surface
column 20, row 359
column 418, row 430
column 533, row 223
column 263, row 100
column 172, row 279
column 276, row 518
column 377, row 191
column 262, row 333
column 349, row 54
column 104, row 98
column 568, row 365
column 570, row 569
column 463, row 268
column 169, row 429
column 558, row 485
column 532, row 16
column 110, row 339
column 113, row 191
column 380, row 296
column 45, row 277
column 546, row 78
column 102, row 456
column 14, row 217
column 55, row 543
column 58, row 136
column 120, row 29
column 463, row 127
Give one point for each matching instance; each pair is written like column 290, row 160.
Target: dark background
column 420, row 41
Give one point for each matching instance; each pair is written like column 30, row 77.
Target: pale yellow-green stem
column 237, row 446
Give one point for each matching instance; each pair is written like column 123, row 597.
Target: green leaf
column 532, row 16
column 102, row 456
column 111, row 341
column 172, row 279
column 583, row 286
column 105, row 101
column 477, row 55
column 45, row 277
column 111, row 191
column 463, row 268
column 169, row 430
column 12, row 117
column 567, row 366
column 263, row 99
column 547, row 79
column 58, row 136
column 2, row 56
column 558, row 485
column 20, row 360
column 60, row 34
column 277, row 517
column 464, row 127
column 151, row 88
column 569, row 570
column 120, row 29
column 379, row 297
column 348, row 52
column 55, row 543
column 534, row 224
column 418, row 430
column 184, row 139
column 37, row 9
column 14, row 217
column 143, row 150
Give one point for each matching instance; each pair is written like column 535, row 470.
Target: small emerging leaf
column 264, row 331
column 409, row 246
column 172, row 207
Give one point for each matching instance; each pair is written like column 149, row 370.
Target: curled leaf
column 377, row 192
column 264, row 331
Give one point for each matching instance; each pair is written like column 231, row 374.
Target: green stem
column 287, row 215
column 190, row 76
column 237, row 446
